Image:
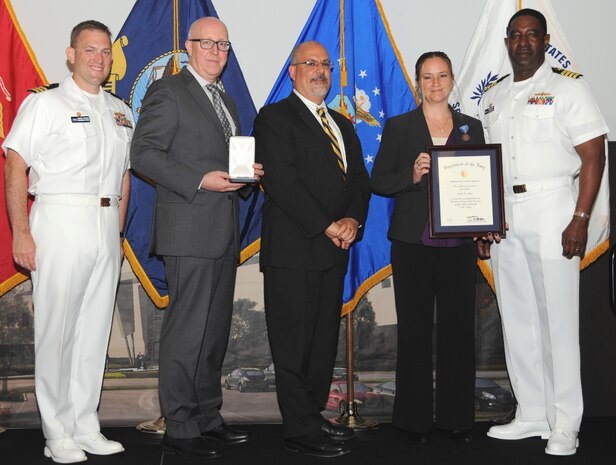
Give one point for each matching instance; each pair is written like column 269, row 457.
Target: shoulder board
column 36, row 90
column 116, row 96
column 567, row 73
column 489, row 86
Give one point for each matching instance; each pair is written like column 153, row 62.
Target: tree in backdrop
column 368, row 342
column 248, row 343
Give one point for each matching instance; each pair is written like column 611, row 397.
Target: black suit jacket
column 404, row 138
column 177, row 140
column 304, row 186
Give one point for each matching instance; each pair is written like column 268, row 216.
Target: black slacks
column 421, row 276
column 193, row 341
column 302, row 310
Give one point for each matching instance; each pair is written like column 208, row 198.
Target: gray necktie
column 220, row 112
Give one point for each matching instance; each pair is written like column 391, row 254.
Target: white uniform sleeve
column 583, row 119
column 29, row 129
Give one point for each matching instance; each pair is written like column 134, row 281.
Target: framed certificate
column 465, row 190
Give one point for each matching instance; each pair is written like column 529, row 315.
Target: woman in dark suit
column 428, row 269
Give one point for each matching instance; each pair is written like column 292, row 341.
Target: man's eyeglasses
column 314, row 65
column 207, row 44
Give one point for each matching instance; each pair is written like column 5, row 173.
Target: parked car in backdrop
column 388, row 390
column 489, row 396
column 365, row 397
column 247, row 379
column 340, row 374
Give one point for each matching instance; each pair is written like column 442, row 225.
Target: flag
column 486, row 58
column 19, row 72
column 377, row 87
column 145, row 50
column 486, row 61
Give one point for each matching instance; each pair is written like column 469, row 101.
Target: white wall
column 263, row 32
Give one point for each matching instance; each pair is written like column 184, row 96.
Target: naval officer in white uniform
column 552, row 134
column 75, row 140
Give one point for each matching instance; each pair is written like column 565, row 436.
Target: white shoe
column 98, row 444
column 520, row 429
column 64, row 451
column 562, row 443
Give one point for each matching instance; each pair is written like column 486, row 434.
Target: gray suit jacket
column 177, row 140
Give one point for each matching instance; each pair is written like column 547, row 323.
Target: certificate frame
column 451, row 214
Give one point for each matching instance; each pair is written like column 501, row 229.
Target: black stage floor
column 384, row 445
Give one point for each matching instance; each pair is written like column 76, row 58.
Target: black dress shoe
column 418, row 438
column 463, row 436
column 191, row 447
column 227, row 435
column 337, row 432
column 318, row 444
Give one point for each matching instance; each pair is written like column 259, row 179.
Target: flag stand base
column 352, row 419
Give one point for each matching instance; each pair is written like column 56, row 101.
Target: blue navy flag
column 142, row 53
column 377, row 87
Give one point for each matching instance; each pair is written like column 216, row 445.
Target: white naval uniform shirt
column 73, row 144
column 539, row 122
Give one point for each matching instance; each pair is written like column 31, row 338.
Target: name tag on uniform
column 79, row 118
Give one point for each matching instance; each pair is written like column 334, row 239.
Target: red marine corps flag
column 19, row 72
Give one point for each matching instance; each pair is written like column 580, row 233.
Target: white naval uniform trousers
column 539, row 122
column 77, row 147
column 74, row 287
column 538, row 298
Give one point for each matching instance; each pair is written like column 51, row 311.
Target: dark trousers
column 302, row 310
column 421, row 275
column 193, row 342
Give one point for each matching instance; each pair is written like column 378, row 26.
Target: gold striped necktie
column 334, row 141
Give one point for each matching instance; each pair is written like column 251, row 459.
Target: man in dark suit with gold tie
column 181, row 143
column 316, row 202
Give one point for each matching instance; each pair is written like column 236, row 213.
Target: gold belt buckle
column 105, row 202
column 519, row 189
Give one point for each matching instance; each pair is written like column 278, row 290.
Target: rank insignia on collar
column 121, row 120
column 488, row 110
column 79, row 118
column 541, row 98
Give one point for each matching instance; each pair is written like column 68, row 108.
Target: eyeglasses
column 314, row 65
column 207, row 44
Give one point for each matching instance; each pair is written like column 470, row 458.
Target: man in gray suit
column 181, row 143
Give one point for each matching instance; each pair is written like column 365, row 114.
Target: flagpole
column 343, row 69
column 176, row 37
column 351, row 417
